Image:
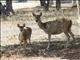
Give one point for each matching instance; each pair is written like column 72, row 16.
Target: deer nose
column 36, row 20
column 21, row 29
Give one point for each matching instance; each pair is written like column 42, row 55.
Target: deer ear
column 23, row 25
column 41, row 14
column 18, row 25
column 33, row 14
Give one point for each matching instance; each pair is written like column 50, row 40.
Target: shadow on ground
column 57, row 49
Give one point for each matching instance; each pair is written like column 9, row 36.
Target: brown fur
column 25, row 34
column 55, row 27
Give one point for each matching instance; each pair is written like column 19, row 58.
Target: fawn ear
column 18, row 25
column 33, row 14
column 23, row 25
column 41, row 14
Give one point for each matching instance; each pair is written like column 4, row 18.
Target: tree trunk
column 77, row 7
column 0, row 8
column 46, row 5
column 74, row 2
column 58, row 4
column 19, row 0
column 79, row 2
column 42, row 2
column 9, row 6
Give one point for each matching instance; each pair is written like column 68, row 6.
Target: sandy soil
column 31, row 58
column 10, row 43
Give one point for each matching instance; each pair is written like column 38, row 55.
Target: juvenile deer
column 55, row 27
column 25, row 34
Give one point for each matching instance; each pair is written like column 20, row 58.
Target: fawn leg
column 25, row 43
column 30, row 40
column 20, row 43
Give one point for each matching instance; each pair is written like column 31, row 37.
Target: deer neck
column 41, row 24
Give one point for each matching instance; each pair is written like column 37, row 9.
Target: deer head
column 21, row 27
column 37, row 17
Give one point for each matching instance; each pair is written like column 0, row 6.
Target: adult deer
column 55, row 27
column 25, row 34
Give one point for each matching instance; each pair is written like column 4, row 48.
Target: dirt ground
column 11, row 50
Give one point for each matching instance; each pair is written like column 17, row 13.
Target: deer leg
column 68, row 39
column 49, row 38
column 70, row 32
